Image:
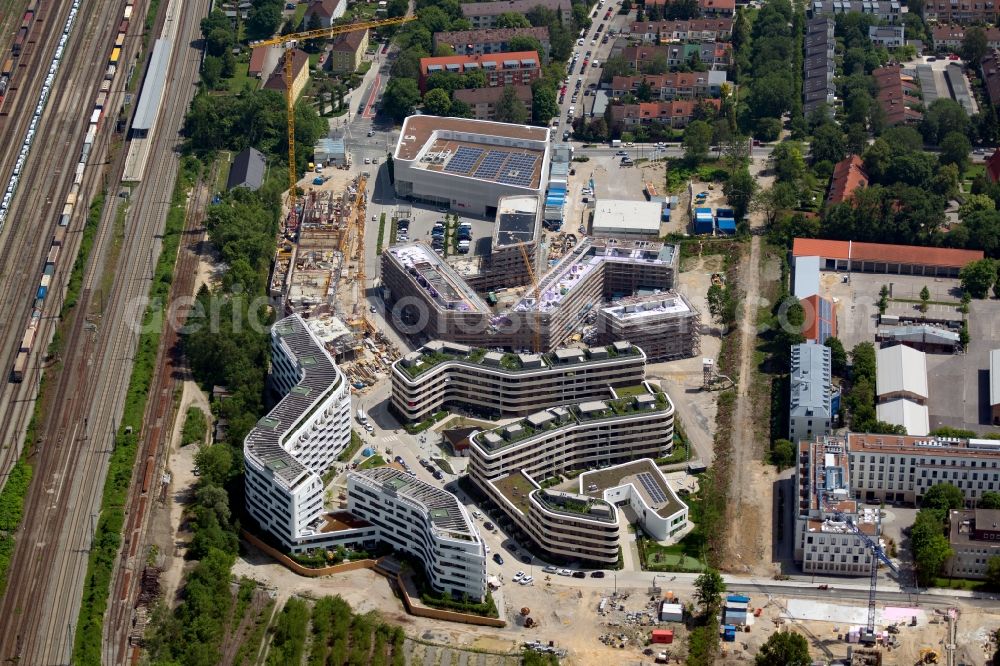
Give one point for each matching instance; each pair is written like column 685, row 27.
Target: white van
column 361, row 416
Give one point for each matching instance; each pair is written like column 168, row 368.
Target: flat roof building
column 810, row 404
column 806, row 278
column 665, row 325
column 974, row 537
column 627, row 219
column 151, row 96
column 515, row 236
column 468, row 165
column 922, row 337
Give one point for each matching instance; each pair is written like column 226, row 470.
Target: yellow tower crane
column 288, row 42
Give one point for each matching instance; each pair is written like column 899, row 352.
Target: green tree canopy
column 989, row 500
column 740, row 190
column 437, row 102
column 697, row 140
column 708, row 589
column 974, row 46
column 828, row 144
column 838, row 356
column 863, row 361
column 943, row 496
column 784, row 648
column 789, row 165
column 943, row 116
column 510, row 109
column 955, row 149
column 978, row 276
column 400, row 98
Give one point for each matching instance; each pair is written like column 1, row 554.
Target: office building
column 641, row 485
column 664, row 325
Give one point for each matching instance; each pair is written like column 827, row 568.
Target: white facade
column 425, row 522
column 664, row 519
column 299, row 439
column 810, row 413
column 627, row 219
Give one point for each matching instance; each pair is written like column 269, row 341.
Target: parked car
column 597, row 574
column 579, row 574
column 527, row 580
column 489, row 526
column 565, row 572
column 550, row 570
column 498, row 559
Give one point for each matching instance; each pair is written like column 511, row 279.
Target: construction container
column 729, row 633
column 727, row 225
column 671, row 612
column 662, row 636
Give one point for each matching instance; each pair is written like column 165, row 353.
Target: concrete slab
column 807, row 609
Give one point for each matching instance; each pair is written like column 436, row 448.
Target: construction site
column 319, row 273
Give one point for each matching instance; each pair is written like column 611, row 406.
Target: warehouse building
column 468, row 165
column 810, row 404
column 922, row 337
column 664, row 325
column 901, row 388
column 442, row 374
column 426, row 523
column 288, row 450
column 627, row 219
column 883, row 258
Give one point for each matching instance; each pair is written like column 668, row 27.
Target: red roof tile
column 993, row 166
column 848, row 175
column 901, row 254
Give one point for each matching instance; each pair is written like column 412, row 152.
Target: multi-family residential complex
column 492, row 40
column 665, row 325
column 900, row 468
column 848, row 177
column 514, row 68
column 898, row 95
column 693, row 30
column 289, row 449
column 675, row 85
column 429, row 298
column 506, row 462
column 712, row 54
column 485, row 14
column 886, row 10
column 425, row 522
column 826, row 516
column 818, row 65
column 468, row 165
column 889, row 36
column 991, row 76
column 961, row 11
column 974, row 537
column 445, row 373
column 810, row 404
column 677, row 114
column 951, row 36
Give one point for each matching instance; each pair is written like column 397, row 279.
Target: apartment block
column 961, row 11
column 483, row 101
column 886, row 10
column 677, row 114
column 484, row 14
column 491, row 40
column 288, row 450
column 991, row 80
column 898, row 95
column 347, row 51
column 672, row 86
column 507, row 464
column 951, row 36
column 900, row 468
column 513, row 68
column 425, row 522
column 693, row 30
column 889, row 36
column 665, row 326
column 712, row 54
column 513, row 251
column 827, row 519
column 810, row 404
column 974, row 537
column 818, row 65
column 442, row 374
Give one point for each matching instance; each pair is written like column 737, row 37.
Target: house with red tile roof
column 848, row 176
column 327, row 11
column 676, row 114
column 502, row 69
column 898, row 93
column 993, row 166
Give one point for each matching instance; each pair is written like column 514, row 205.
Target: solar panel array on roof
column 518, row 170
column 490, row 167
column 463, row 160
column 652, row 487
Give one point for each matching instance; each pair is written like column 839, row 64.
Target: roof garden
column 437, row 352
column 516, row 488
column 580, row 505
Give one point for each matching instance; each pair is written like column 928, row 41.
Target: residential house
column 234, row 8
column 974, row 537
column 889, row 36
column 327, row 11
column 897, row 92
column 484, row 14
column 848, row 175
column 300, row 74
column 885, row 10
column 993, row 166
column 818, row 66
column 966, row 11
column 711, row 54
column 501, row 69
column 676, row 114
column 676, row 85
column 263, row 60
column 347, row 51
column 710, row 8
column 490, row 40
column 991, row 76
column 247, row 170
column 694, row 30
column 483, row 101
column 951, row 36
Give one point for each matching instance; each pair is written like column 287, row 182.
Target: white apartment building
column 425, row 522
column 505, row 463
column 898, row 468
column 810, row 410
column 826, row 516
column 289, row 449
column 446, row 373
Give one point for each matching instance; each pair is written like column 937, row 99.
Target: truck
column 616, row 143
column 361, row 416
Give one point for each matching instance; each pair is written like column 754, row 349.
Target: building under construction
column 515, row 241
column 664, row 325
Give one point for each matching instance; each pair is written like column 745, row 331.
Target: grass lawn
column 241, row 78
column 300, row 11
column 372, row 462
column 670, row 558
column 629, row 391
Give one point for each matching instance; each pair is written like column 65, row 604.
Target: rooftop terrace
column 644, row 476
column 638, row 308
column 319, row 375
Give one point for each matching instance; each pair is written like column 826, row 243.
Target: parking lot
column 422, row 219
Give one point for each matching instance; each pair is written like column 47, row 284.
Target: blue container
column 727, row 225
column 42, row 291
column 703, row 226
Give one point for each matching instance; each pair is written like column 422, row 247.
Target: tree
column 437, row 102
column 400, row 98
column 697, row 140
column 989, row 500
column 655, row 65
column 767, row 129
column 993, row 572
column 263, row 20
column 828, row 144
column 716, row 301
column 543, row 103
column 925, row 295
column 789, row 165
column 784, row 648
column 838, row 355
column 740, row 190
column 783, row 454
column 930, row 547
column 978, row 276
column 942, row 496
column 943, row 116
column 512, row 20
column 974, row 47
column 778, row 197
column 955, row 149
column 708, row 589
column 526, row 43
column 863, row 361
column 510, row 109
column 975, row 203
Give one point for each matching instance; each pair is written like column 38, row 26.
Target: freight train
column 20, row 39
column 51, row 265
